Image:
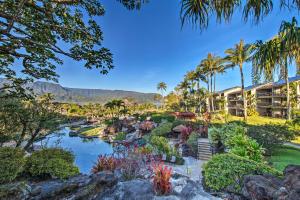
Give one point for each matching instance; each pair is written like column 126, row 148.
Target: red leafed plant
column 104, row 163
column 161, row 179
column 185, row 133
column 146, row 126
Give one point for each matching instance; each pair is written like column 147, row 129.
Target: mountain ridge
column 82, row 95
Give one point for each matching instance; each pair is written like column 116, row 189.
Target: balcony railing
column 264, row 94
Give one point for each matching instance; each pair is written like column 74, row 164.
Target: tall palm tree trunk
column 243, row 92
column 211, row 92
column 208, row 99
column 287, row 91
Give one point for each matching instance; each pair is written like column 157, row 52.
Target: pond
column 86, row 151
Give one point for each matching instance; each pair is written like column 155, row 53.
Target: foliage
column 244, row 146
column 105, row 163
column 234, row 137
column 52, row 162
column 40, row 49
column 160, row 117
column 120, row 136
column 206, row 117
column 199, row 13
column 185, row 133
column 161, row 144
column 225, row 171
column 271, row 135
column 11, row 163
column 161, row 179
column 26, row 120
column 193, row 141
column 284, row 156
column 146, row 126
column 162, row 130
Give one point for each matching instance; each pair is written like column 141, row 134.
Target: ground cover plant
column 90, row 131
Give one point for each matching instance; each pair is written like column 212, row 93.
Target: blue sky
column 149, row 46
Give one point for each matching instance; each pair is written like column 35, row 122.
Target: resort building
column 268, row 99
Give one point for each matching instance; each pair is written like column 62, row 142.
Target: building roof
column 291, row 79
column 228, row 89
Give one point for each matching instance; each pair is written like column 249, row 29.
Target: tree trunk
column 22, row 135
column 287, row 91
column 31, row 140
column 214, row 83
column 208, row 99
column 211, row 93
column 243, row 93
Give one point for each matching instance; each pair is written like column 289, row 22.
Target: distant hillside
column 76, row 95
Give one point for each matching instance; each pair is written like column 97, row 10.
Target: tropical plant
column 146, row 126
column 199, row 12
column 277, row 53
column 105, row 163
column 12, row 162
column 237, row 56
column 193, row 141
column 162, row 87
column 161, row 179
column 120, row 136
column 210, row 66
column 225, row 172
column 161, row 144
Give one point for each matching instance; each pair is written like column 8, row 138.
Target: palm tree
column 210, row 66
column 237, row 56
column 162, row 87
column 278, row 53
column 198, row 12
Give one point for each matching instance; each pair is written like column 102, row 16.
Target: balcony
column 264, row 104
column 264, row 95
column 277, row 94
column 235, row 98
column 279, row 105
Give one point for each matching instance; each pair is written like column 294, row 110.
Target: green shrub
column 11, row 163
column 161, row 144
column 163, row 129
column 193, row 141
column 52, row 162
column 234, row 137
column 270, row 136
column 120, row 136
column 225, row 172
column 158, row 118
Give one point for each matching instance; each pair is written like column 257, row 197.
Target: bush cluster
column 51, row 163
column 158, row 118
column 163, row 129
column 120, row 136
column 234, row 137
column 270, row 136
column 193, row 141
column 11, row 163
column 225, row 172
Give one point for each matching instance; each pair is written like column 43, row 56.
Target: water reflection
column 86, row 150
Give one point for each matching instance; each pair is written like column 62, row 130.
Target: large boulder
column 77, row 187
column 267, row 187
column 137, row 189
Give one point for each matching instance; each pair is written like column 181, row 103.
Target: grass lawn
column 284, row 156
column 90, row 131
column 253, row 120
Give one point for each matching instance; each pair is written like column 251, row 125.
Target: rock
column 77, row 187
column 259, row 187
column 179, row 128
column 137, row 189
column 15, row 191
column 73, row 134
column 265, row 187
column 132, row 136
column 9, row 144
